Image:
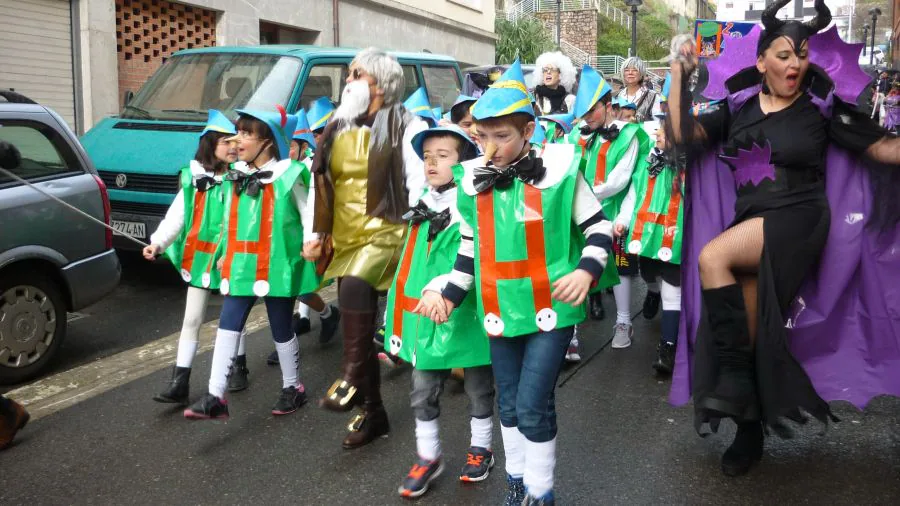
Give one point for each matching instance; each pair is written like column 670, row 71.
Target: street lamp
column 865, row 37
column 558, row 24
column 874, row 12
column 634, row 4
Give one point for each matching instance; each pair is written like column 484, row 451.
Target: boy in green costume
column 526, row 215
column 433, row 350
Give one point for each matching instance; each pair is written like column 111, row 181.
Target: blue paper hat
column 320, row 111
column 302, row 131
column 437, row 112
column 664, row 93
column 539, row 136
column 565, row 121
column 418, row 140
column 626, row 104
column 218, row 122
column 282, row 125
column 417, row 104
column 616, row 102
column 463, row 98
column 591, row 88
column 508, row 95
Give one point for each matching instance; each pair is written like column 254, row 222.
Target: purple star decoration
column 751, row 166
column 838, row 59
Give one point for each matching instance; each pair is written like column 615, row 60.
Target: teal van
column 138, row 154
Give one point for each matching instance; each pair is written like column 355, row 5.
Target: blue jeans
column 235, row 311
column 526, row 369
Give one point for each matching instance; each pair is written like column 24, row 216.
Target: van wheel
column 32, row 324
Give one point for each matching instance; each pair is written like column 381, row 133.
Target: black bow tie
column 658, row 163
column 421, row 212
column 529, row 169
column 249, row 183
column 204, row 183
column 446, row 186
column 610, row 133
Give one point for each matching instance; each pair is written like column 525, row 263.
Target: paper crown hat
column 591, row 88
column 508, row 95
column 664, row 92
column 282, row 125
column 418, row 141
column 320, row 111
column 417, row 104
column 539, row 136
column 302, row 132
column 565, row 121
column 218, row 122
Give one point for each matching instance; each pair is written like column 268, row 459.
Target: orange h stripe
column 533, row 267
column 193, row 243
column 667, row 220
column 401, row 301
column 262, row 246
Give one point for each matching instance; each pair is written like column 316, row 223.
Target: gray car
column 52, row 260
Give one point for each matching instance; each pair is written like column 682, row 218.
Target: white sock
column 194, row 311
column 428, row 445
column 302, row 309
column 482, row 432
column 671, row 297
column 622, row 294
column 289, row 359
column 223, row 353
column 242, row 344
column 325, row 313
column 653, row 286
column 513, row 450
column 540, row 460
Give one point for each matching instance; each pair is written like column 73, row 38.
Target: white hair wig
column 636, row 63
column 385, row 69
column 567, row 73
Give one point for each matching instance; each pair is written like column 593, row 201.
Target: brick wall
column 579, row 28
column 149, row 31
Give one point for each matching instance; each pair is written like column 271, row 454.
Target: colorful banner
column 712, row 35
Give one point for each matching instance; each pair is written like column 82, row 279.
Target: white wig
column 636, row 63
column 567, row 73
column 386, row 70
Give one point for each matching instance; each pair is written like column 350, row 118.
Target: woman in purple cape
column 759, row 226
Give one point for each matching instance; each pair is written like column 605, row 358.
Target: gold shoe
column 342, row 397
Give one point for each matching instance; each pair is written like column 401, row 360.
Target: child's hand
column 573, row 287
column 434, row 306
column 151, row 251
column 312, row 250
column 619, row 230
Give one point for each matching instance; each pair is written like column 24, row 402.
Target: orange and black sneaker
column 420, row 475
column 479, row 462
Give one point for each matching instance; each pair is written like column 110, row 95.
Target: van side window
column 443, row 85
column 324, row 81
column 37, row 145
column 410, row 80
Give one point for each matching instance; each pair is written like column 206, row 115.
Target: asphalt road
column 619, row 442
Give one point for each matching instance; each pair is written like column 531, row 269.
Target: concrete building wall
column 476, row 13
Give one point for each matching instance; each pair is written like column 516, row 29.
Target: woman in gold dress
column 367, row 177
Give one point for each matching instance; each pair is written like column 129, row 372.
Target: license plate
column 132, row 228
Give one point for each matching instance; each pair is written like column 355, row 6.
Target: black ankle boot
column 179, row 388
column 734, row 395
column 745, row 451
column 237, row 376
column 596, row 305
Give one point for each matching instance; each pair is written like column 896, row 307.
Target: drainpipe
column 335, row 22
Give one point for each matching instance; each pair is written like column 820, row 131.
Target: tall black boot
column 734, row 395
column 745, row 451
column 179, row 388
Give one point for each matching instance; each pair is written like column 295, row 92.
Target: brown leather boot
column 12, row 418
column 349, row 391
column 367, row 426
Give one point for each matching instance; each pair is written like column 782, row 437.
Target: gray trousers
column 427, row 386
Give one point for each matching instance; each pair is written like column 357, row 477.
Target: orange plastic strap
column 193, row 243
column 667, row 220
column 262, row 246
column 533, row 267
column 401, row 301
column 600, row 172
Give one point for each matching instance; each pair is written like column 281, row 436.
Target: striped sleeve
column 588, row 214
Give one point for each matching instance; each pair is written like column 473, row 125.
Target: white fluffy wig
column 567, row 73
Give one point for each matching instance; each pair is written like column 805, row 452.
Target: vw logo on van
column 121, row 180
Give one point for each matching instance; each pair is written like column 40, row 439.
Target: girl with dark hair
column 190, row 240
column 264, row 229
column 790, row 146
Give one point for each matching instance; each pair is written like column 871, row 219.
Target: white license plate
column 132, row 228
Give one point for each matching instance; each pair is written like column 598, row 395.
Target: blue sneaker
column 544, row 500
column 515, row 493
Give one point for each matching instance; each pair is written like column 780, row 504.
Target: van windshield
column 187, row 86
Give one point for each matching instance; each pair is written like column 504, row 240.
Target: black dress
column 790, row 197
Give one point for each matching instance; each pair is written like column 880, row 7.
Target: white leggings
column 194, row 313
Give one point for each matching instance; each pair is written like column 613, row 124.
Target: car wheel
column 32, row 324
